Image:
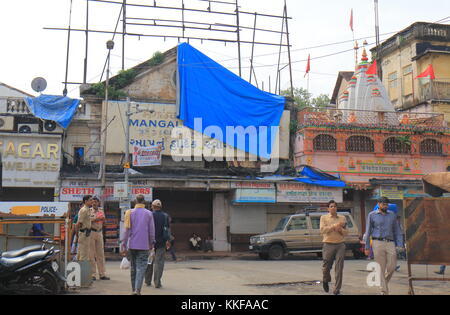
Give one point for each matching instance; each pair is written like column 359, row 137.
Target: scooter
column 32, row 272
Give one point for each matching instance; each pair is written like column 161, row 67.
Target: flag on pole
column 428, row 73
column 373, row 68
column 308, row 66
column 351, row 20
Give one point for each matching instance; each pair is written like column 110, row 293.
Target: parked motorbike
column 30, row 270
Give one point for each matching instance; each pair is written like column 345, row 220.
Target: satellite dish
column 39, row 84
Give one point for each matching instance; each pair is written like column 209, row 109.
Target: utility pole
column 109, row 46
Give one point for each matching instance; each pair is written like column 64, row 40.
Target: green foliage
column 157, row 59
column 303, row 99
column 113, row 93
column 124, row 78
column 406, row 140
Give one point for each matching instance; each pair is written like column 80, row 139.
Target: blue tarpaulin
column 314, row 176
column 230, row 108
column 53, row 107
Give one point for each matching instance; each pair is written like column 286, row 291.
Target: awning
column 437, row 184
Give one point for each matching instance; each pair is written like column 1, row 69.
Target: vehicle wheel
column 43, row 283
column 264, row 256
column 276, row 252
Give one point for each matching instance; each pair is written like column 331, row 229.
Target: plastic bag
column 125, row 264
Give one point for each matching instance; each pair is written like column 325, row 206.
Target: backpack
column 166, row 228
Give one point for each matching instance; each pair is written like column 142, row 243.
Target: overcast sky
column 28, row 51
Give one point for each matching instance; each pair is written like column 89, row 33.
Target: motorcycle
column 30, row 270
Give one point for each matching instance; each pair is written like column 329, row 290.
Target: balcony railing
column 436, row 90
column 359, row 119
column 16, row 106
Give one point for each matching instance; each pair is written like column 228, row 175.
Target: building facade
column 405, row 55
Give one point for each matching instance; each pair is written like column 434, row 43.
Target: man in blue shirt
column 383, row 227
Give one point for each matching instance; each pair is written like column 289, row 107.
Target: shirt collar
column 139, row 205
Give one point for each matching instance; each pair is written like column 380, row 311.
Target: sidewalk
column 194, row 255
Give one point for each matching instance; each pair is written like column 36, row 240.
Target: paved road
column 295, row 276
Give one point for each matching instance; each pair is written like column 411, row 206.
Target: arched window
column 431, row 147
column 397, row 145
column 359, row 144
column 324, row 143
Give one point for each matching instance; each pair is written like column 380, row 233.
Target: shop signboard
column 74, row 191
column 120, row 190
column 34, row 209
column 301, row 193
column 251, row 195
column 30, row 160
column 150, row 156
column 391, row 192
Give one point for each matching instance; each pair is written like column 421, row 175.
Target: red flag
column 308, row 66
column 373, row 68
column 351, row 20
column 429, row 72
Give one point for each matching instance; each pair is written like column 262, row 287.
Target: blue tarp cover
column 314, row 176
column 53, row 107
column 220, row 98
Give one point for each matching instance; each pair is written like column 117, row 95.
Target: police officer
column 97, row 252
column 84, row 229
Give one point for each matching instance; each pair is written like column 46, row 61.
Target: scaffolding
column 227, row 33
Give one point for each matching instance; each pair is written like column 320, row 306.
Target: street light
column 109, row 46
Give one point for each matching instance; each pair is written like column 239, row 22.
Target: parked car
column 300, row 233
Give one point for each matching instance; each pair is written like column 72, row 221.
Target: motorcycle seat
column 21, row 252
column 18, row 262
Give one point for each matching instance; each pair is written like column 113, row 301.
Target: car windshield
column 280, row 226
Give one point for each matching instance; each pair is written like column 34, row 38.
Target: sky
column 29, row 51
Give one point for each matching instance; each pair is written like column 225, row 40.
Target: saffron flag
column 428, row 73
column 351, row 20
column 373, row 68
column 308, row 66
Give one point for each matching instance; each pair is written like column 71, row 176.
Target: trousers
column 138, row 260
column 97, row 254
column 333, row 253
column 84, row 245
column 386, row 256
column 156, row 268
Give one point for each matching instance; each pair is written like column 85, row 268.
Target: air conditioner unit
column 6, row 123
column 27, row 128
column 49, row 126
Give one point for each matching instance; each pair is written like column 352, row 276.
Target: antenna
column 39, row 84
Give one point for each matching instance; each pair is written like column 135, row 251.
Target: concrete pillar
column 221, row 220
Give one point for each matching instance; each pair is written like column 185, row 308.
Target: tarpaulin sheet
column 317, row 177
column 53, row 107
column 222, row 99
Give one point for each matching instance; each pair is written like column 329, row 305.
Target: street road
column 294, row 276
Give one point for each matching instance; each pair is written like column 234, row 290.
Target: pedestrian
column 208, row 246
column 38, row 231
column 84, row 229
column 74, row 247
column 171, row 248
column 195, row 242
column 138, row 240
column 383, row 226
column 162, row 241
column 441, row 270
column 333, row 228
column 97, row 250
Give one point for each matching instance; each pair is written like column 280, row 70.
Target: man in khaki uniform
column 84, row 229
column 97, row 251
column 333, row 229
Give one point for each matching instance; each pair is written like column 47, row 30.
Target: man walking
column 162, row 242
column 97, row 251
column 84, row 229
column 333, row 229
column 138, row 240
column 383, row 227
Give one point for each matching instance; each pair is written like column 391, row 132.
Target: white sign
column 301, row 193
column 263, row 195
column 120, row 190
column 34, row 209
column 253, row 185
column 30, row 160
column 150, row 156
